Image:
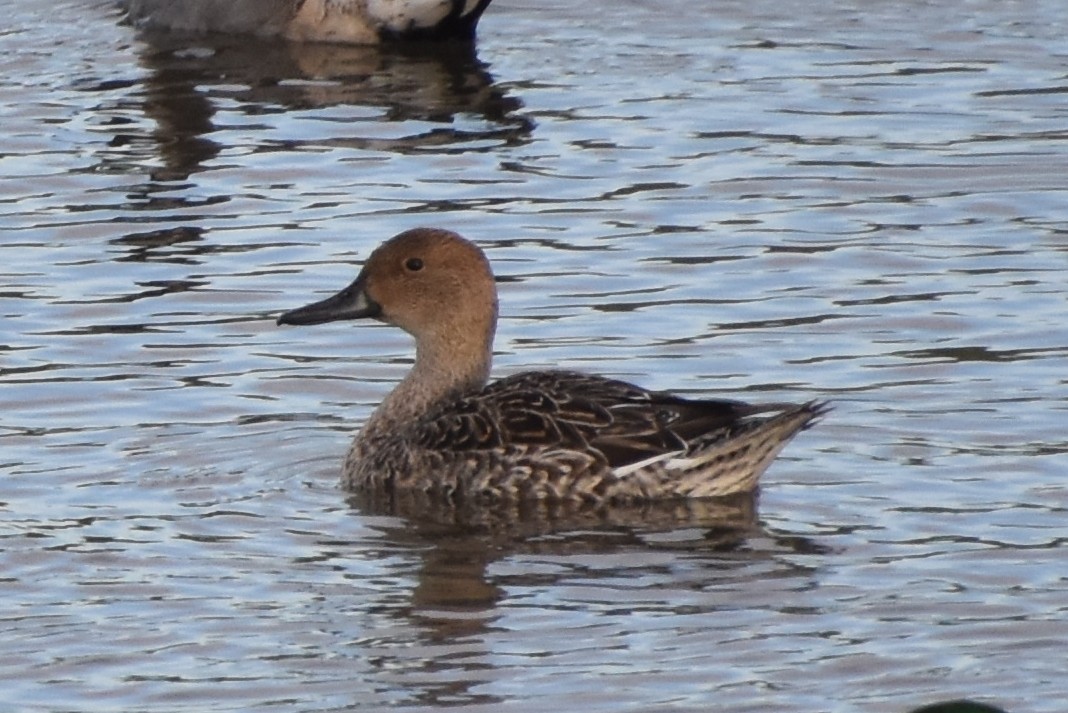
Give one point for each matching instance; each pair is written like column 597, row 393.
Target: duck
column 542, row 435
column 362, row 22
column 962, row 705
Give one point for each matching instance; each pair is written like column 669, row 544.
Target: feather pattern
column 574, row 436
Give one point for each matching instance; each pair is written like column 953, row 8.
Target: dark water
column 856, row 201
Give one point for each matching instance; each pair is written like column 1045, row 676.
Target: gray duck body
column 340, row 21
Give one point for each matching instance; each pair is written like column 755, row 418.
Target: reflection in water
column 444, row 84
column 439, row 97
column 477, row 568
column 524, row 519
column 164, row 245
column 465, row 540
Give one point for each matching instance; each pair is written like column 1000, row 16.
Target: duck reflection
column 190, row 79
column 455, row 594
column 483, row 593
column 727, row 520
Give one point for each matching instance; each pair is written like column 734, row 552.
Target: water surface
column 759, row 200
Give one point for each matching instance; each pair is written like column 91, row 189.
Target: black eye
column 414, row 264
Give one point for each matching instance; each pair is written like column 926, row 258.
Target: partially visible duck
column 545, row 435
column 345, row 21
column 962, row 705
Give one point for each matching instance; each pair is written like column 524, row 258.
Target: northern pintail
column 545, row 435
column 344, row 21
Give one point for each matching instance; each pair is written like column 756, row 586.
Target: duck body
column 536, row 435
column 563, row 435
column 340, row 21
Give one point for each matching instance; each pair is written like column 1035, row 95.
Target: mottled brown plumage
column 556, row 435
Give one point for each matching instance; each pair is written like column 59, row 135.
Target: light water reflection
column 206, row 97
column 853, row 202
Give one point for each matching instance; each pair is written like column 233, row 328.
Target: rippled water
column 857, row 201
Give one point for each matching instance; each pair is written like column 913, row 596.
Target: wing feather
column 570, row 411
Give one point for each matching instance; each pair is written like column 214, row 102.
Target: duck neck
column 446, row 366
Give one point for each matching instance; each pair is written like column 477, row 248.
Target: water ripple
column 863, row 203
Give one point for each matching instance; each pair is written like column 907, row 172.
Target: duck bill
column 351, row 303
